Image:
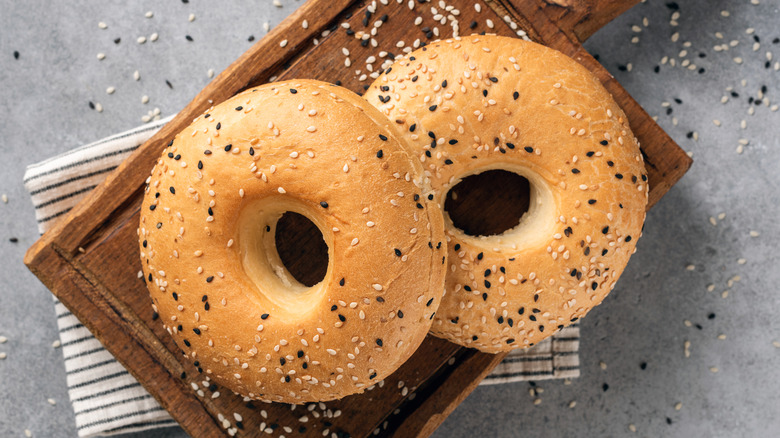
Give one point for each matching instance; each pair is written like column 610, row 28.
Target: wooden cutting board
column 90, row 259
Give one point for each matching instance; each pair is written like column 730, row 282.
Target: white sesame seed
column 281, row 190
column 110, row 90
column 283, row 43
column 331, row 351
column 3, row 355
column 101, row 56
column 141, row 39
column 51, row 401
column 311, row 128
column 153, row 37
column 56, row 344
column 149, row 14
column 355, row 241
column 191, row 18
column 377, row 286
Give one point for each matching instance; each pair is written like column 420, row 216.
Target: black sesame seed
column 480, row 255
column 400, row 313
column 515, row 95
column 152, row 207
column 264, row 316
column 484, row 296
column 380, row 154
column 590, row 153
column 228, row 147
column 200, row 164
column 382, row 137
column 528, row 149
column 293, row 91
column 323, row 204
column 521, row 310
column 413, row 127
column 487, row 284
column 188, row 38
column 282, row 361
column 500, row 320
column 448, row 161
column 428, row 304
column 591, row 201
column 379, row 342
column 341, row 282
column 205, row 298
column 493, row 79
column 397, row 252
column 628, row 238
column 168, row 83
column 207, row 152
column 239, row 108
column 575, row 171
column 605, row 387
column 643, row 365
column 175, row 296
column 209, row 279
column 197, row 331
column 433, row 107
column 453, row 141
column 173, row 190
column 187, row 343
column 619, row 175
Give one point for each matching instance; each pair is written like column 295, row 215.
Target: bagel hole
column 488, row 203
column 301, row 248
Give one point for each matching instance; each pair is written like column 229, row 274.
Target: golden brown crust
column 211, row 205
column 485, row 102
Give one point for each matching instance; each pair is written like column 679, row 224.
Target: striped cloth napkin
column 106, row 399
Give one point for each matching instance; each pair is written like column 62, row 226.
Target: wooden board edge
column 450, row 389
column 76, row 293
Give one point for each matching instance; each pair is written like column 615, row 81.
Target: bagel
column 479, row 103
column 207, row 230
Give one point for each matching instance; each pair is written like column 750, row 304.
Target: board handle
column 578, row 18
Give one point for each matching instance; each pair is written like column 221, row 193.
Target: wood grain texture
column 90, row 259
column 582, row 18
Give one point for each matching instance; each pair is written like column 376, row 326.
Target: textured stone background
column 44, row 111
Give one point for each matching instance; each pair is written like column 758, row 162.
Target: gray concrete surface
column 44, row 97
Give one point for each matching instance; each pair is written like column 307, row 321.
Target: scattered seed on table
column 56, row 344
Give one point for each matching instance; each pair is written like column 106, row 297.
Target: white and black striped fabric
column 106, row 399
